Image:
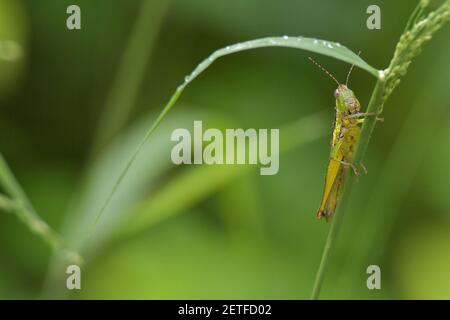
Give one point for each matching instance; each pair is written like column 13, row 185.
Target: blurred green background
column 77, row 103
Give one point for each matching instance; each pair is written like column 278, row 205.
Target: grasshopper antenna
column 350, row 71
column 324, row 70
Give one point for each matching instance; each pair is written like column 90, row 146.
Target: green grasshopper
column 346, row 132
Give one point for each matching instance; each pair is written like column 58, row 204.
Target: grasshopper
column 346, row 132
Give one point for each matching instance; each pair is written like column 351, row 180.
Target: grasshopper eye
column 336, row 93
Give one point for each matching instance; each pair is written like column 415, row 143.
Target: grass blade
column 409, row 46
column 332, row 49
column 19, row 203
column 131, row 71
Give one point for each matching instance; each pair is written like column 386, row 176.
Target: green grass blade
column 324, row 47
column 409, row 47
column 131, row 71
column 397, row 176
column 6, row 204
column 18, row 203
column 332, row 49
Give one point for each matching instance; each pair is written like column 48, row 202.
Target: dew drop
column 285, row 37
column 315, row 41
column 329, row 46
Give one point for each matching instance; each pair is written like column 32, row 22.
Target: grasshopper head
column 346, row 101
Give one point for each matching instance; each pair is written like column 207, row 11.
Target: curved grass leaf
column 332, row 49
column 324, row 47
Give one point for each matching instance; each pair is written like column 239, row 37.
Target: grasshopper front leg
column 364, row 115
